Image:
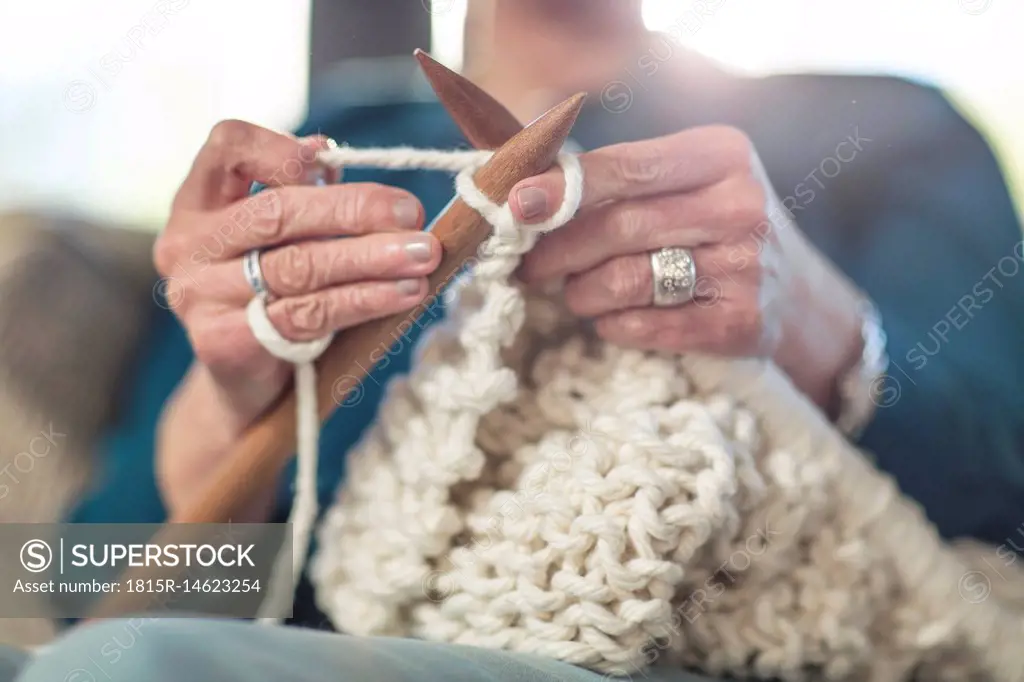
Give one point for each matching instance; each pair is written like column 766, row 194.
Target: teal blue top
column 882, row 175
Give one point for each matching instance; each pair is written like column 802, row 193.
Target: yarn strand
column 302, row 517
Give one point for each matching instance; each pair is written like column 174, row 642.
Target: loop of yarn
column 527, row 487
column 296, row 352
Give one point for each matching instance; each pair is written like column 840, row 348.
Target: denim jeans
column 173, row 649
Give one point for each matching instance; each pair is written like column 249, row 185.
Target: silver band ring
column 254, row 274
column 675, row 276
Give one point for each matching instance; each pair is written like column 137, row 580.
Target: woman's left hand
column 761, row 288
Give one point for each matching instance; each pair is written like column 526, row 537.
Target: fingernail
column 418, row 249
column 408, row 287
column 407, row 213
column 533, row 202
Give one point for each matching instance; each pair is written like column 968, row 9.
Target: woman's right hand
column 318, row 285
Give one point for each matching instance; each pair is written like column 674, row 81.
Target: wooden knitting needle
column 481, row 118
column 260, row 455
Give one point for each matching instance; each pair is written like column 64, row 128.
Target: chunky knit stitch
column 529, row 487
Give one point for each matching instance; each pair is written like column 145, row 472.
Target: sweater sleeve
column 939, row 248
column 123, row 487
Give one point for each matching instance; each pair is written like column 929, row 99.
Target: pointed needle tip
column 423, row 57
column 575, row 103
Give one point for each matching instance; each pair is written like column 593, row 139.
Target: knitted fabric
column 529, row 487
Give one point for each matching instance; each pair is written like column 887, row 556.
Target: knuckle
column 304, row 316
column 315, row 209
column 638, row 169
column 631, row 225
column 353, row 204
column 639, row 327
column 291, row 269
column 335, row 265
column 630, row 279
column 230, row 134
column 364, row 300
column 360, row 258
column 266, row 215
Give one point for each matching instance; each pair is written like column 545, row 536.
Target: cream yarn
column 528, row 487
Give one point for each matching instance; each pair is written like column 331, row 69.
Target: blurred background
column 104, row 105
column 101, row 111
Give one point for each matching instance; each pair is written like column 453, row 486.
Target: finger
column 627, row 282
column 680, row 162
column 223, row 341
column 724, row 329
column 312, row 316
column 237, row 153
column 634, row 226
column 287, row 214
column 311, row 266
column 322, row 174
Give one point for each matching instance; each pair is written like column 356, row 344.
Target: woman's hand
column 318, row 285
column 761, row 290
